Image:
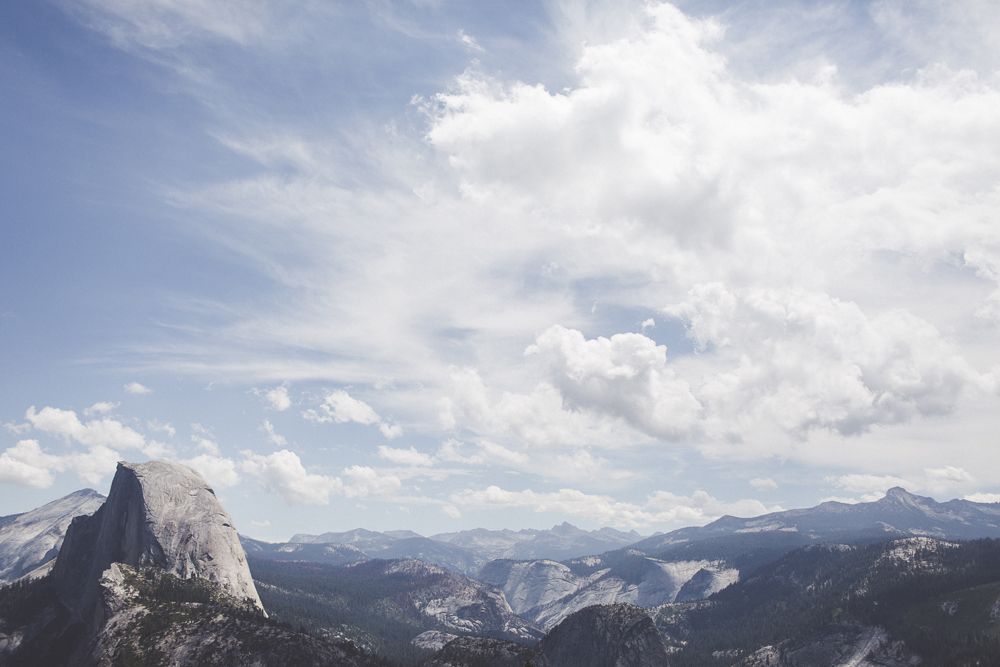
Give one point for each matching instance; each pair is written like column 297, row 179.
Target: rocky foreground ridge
column 155, row 576
column 613, row 635
column 29, row 542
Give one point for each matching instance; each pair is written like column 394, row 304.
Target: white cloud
column 208, row 446
column 487, row 453
column 340, row 407
column 165, row 428
column 261, row 524
column 872, row 483
column 164, row 24
column 218, row 471
column 17, row 429
column 278, row 398
column 104, row 432
column 451, row 511
column 625, row 376
column 136, row 388
column 763, row 484
column 406, row 457
column 831, row 251
column 660, row 507
column 804, row 361
column 283, row 474
column 25, row 464
column 367, row 482
column 984, row 497
column 273, row 437
column 390, row 431
column 100, row 408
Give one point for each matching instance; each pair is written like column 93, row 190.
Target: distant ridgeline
column 157, row 575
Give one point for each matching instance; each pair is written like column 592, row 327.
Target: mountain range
column 157, row 572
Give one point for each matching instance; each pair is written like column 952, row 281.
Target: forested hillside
column 942, row 599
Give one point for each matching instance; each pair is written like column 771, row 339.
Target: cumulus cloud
column 763, row 484
column 103, row 432
column 136, row 388
column 278, row 398
column 100, row 408
column 25, row 464
column 984, row 497
column 283, row 474
column 804, row 361
column 165, row 428
column 660, row 507
column 487, row 452
column 406, row 457
column 272, row 437
column 831, row 252
column 219, row 471
column 340, row 407
column 623, row 376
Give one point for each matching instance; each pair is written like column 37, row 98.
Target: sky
column 439, row 265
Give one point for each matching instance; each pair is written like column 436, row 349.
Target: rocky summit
column 611, row 635
column 157, row 514
column 29, row 542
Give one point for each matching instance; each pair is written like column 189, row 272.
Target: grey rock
column 547, row 592
column 432, row 639
column 614, row 635
column 29, row 542
column 157, row 513
column 449, row 599
column 840, row 645
column 483, row 652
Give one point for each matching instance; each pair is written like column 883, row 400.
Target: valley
column 156, row 571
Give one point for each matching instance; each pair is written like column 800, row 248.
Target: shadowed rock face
column 157, row 513
column 611, row 635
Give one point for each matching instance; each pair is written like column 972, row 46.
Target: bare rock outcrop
column 29, row 542
column 608, row 635
column 157, row 514
column 612, row 635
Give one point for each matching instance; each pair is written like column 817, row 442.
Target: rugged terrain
column 382, row 605
column 156, row 576
column 616, row 635
column 29, row 542
column 898, row 602
column 898, row 514
column 546, row 592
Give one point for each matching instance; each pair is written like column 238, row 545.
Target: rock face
column 29, row 542
column 547, row 592
column 614, row 635
column 452, row 600
column 834, row 646
column 157, row 513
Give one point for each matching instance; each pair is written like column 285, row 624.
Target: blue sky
column 439, row 265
